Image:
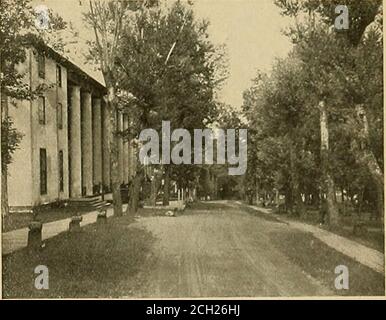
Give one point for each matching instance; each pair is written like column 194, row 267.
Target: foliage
column 344, row 69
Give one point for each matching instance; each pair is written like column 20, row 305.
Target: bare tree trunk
column 155, row 186
column 4, row 194
column 3, row 166
column 114, row 156
column 3, row 210
column 135, row 186
column 296, row 196
column 166, row 194
column 328, row 182
column 288, row 200
column 366, row 157
column 257, row 192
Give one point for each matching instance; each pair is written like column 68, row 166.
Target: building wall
column 48, row 135
column 20, row 170
column 24, row 173
column 24, row 183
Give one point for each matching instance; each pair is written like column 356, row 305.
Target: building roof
column 75, row 72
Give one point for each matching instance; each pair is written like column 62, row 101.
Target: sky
column 250, row 29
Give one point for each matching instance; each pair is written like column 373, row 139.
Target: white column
column 87, row 157
column 97, row 141
column 75, row 143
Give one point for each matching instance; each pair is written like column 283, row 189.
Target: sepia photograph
column 185, row 149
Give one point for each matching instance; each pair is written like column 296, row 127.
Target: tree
column 332, row 70
column 324, row 104
column 108, row 20
column 171, row 68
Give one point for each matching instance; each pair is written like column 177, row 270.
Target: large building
column 64, row 150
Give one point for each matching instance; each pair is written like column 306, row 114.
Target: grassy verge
column 99, row 261
column 198, row 205
column 373, row 238
column 21, row 220
column 319, row 261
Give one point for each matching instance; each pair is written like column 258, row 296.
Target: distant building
column 63, row 153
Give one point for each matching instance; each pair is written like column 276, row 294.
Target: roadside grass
column 263, row 215
column 21, row 220
column 373, row 238
column 319, row 260
column 198, row 205
column 98, row 261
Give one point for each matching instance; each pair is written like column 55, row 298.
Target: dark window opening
column 60, row 116
column 42, row 110
column 42, row 65
column 61, row 171
column 58, row 75
column 43, row 171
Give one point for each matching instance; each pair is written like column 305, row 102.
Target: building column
column 75, row 143
column 106, row 146
column 87, row 157
column 120, row 146
column 97, row 141
column 125, row 150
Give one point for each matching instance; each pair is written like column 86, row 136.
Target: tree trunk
column 288, row 200
column 366, row 157
column 135, row 186
column 3, row 210
column 4, row 194
column 327, row 181
column 114, row 156
column 155, row 186
column 296, row 196
column 166, row 194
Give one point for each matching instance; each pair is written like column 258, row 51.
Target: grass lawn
column 47, row 214
column 374, row 238
column 319, row 261
column 203, row 205
column 98, row 261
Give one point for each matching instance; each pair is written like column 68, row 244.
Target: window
column 42, row 65
column 43, row 171
column 58, row 75
column 42, row 110
column 61, row 172
column 60, row 116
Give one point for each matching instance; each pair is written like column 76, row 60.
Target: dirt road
column 221, row 252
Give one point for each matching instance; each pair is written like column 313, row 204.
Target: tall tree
column 108, row 20
column 173, row 70
column 331, row 71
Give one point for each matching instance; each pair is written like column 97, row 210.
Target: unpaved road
column 221, row 252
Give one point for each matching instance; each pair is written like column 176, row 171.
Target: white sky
column 251, row 30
